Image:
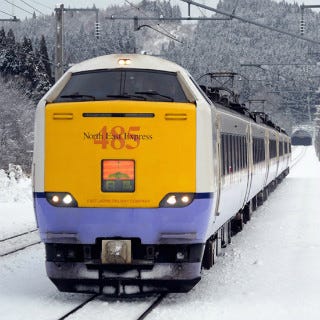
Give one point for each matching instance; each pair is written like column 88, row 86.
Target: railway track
column 18, row 242
column 143, row 315
column 298, row 157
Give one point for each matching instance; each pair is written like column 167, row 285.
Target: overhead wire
column 167, row 33
column 245, row 20
column 41, row 4
column 7, row 14
column 201, row 12
column 18, row 7
column 27, row 4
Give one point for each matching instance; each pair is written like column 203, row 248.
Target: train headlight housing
column 176, row 200
column 61, row 199
column 124, row 61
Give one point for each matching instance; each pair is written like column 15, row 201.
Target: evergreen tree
column 44, row 57
column 27, row 61
column 3, row 40
column 10, row 62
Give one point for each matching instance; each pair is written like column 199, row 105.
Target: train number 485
column 119, row 138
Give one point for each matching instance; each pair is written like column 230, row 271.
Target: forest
column 278, row 71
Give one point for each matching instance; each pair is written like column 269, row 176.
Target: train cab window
column 123, row 84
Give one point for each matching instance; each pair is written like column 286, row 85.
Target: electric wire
column 167, row 33
column 27, row 4
column 18, row 7
column 41, row 4
column 245, row 20
column 7, row 14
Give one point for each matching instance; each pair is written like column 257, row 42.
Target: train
column 141, row 175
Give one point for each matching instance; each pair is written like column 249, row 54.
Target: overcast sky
column 48, row 6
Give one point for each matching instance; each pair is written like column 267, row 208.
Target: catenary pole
column 59, row 43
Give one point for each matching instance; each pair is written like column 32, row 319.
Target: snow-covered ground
column 270, row 271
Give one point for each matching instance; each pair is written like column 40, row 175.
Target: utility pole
column 59, row 35
column 59, row 43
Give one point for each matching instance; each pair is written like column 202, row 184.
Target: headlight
column 176, row 200
column 61, row 199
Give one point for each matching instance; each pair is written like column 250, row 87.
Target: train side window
column 230, row 154
column 280, row 148
column 262, row 151
column 240, row 153
column 243, row 139
column 222, row 154
column 254, row 150
column 272, row 148
column 245, row 152
column 226, row 154
column 234, row 153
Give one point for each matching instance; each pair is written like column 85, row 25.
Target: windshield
column 123, row 84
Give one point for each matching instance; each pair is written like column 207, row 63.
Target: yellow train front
column 114, row 171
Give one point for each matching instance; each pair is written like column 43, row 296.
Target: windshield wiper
column 78, row 96
column 126, row 96
column 154, row 93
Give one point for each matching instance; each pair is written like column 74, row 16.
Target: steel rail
column 153, row 306
column 298, row 158
column 19, row 249
column 18, row 242
column 18, row 235
column 80, row 306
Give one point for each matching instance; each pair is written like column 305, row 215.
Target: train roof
column 230, row 102
column 135, row 61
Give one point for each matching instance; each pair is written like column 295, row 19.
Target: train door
column 249, row 162
column 218, row 162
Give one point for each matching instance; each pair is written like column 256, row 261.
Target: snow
column 16, row 208
column 270, row 271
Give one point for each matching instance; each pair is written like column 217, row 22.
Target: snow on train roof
column 137, row 61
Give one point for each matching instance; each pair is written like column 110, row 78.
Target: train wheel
column 265, row 193
column 260, row 198
column 247, row 212
column 223, row 237
column 229, row 232
column 254, row 203
column 209, row 254
column 237, row 223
